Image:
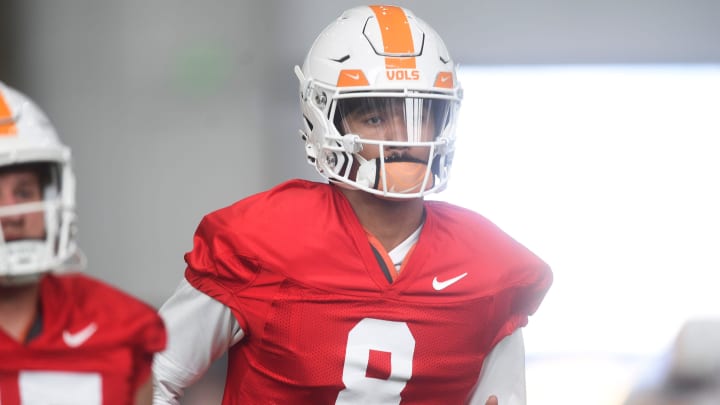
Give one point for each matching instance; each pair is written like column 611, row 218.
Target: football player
column 358, row 290
column 65, row 338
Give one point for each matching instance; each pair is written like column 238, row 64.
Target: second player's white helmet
column 28, row 139
column 373, row 63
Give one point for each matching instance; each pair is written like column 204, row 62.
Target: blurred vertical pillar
column 10, row 41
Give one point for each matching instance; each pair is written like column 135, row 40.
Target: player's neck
column 391, row 222
column 18, row 307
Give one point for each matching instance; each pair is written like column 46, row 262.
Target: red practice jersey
column 322, row 323
column 96, row 346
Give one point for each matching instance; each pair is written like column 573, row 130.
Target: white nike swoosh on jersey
column 441, row 285
column 78, row 338
column 355, row 76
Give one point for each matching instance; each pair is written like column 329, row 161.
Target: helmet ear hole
column 320, row 99
column 331, row 159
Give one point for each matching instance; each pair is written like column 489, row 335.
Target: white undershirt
column 398, row 253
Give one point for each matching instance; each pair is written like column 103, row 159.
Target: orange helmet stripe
column 396, row 36
column 7, row 126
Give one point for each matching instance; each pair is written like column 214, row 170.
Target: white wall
column 175, row 108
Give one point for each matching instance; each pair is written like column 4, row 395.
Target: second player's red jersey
column 322, row 323
column 96, row 347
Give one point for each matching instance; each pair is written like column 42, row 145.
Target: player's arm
column 200, row 329
column 503, row 374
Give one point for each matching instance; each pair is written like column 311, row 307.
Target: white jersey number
column 369, row 335
column 60, row 388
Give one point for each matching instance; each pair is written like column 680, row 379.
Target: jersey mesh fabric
column 295, row 267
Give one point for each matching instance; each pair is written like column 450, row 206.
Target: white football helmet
column 28, row 137
column 379, row 95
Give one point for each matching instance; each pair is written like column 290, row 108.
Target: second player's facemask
column 390, row 146
column 24, row 257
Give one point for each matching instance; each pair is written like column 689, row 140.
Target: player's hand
column 492, row 400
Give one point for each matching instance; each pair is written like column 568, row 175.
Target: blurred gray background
column 174, row 109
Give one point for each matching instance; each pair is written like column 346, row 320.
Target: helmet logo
column 444, row 80
column 352, row 77
column 403, row 74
